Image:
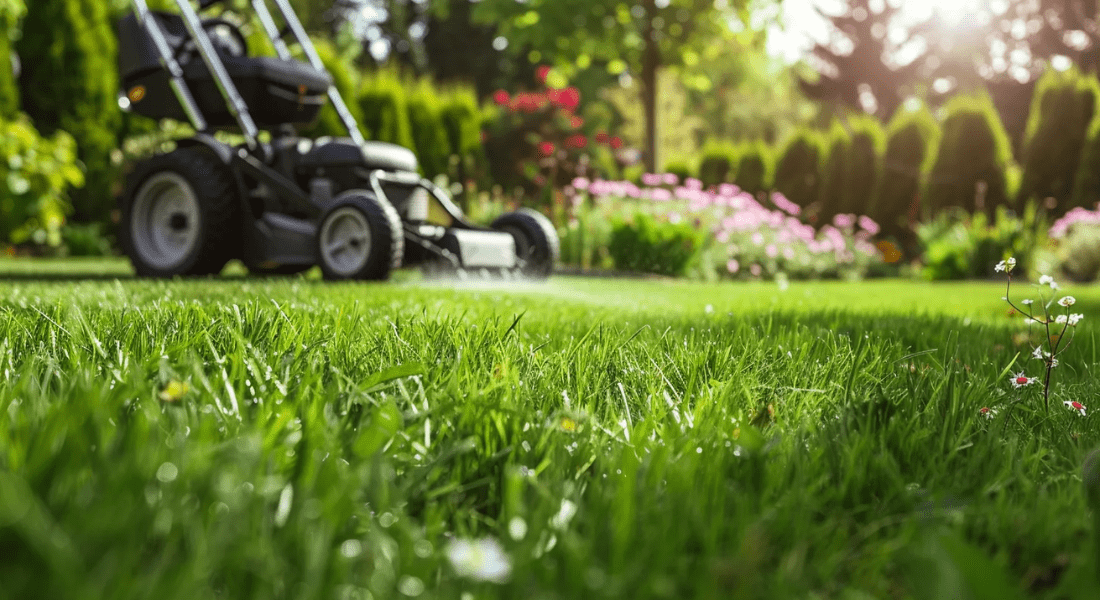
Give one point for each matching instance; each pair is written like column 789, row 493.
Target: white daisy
column 1077, row 406
column 1067, row 302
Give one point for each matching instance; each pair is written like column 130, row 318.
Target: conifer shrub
column 864, row 164
column 754, row 169
column 345, row 79
column 462, row 120
column 796, row 172
column 680, row 168
column 428, row 133
column 718, row 164
column 385, row 111
column 912, row 137
column 69, row 83
column 1064, row 106
column 972, row 159
column 10, row 13
column 1086, row 185
column 833, row 193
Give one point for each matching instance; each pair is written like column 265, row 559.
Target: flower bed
column 744, row 236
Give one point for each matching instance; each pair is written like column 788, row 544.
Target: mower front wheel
column 537, row 244
column 360, row 237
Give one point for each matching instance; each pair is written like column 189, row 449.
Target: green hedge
column 385, row 111
column 754, row 169
column 428, row 131
column 645, row 245
column 718, row 164
column 345, row 79
column 833, row 193
column 11, row 11
column 973, row 152
column 863, row 166
column 1063, row 107
column 796, row 172
column 912, row 137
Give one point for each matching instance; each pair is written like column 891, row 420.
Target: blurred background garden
column 711, row 139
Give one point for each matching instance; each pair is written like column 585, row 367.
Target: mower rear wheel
column 537, row 244
column 180, row 215
column 360, row 238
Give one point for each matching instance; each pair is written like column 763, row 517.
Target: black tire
column 537, row 242
column 186, row 194
column 360, row 237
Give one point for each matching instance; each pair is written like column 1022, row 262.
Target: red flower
column 575, row 122
column 546, row 148
column 616, row 142
column 541, row 73
column 567, row 98
column 501, row 97
column 602, row 137
column 577, row 141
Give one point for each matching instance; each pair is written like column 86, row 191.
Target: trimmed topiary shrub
column 971, row 161
column 644, row 245
column 796, row 173
column 462, row 119
column 345, row 80
column 429, row 134
column 718, row 164
column 681, row 169
column 863, row 168
column 912, row 137
column 69, row 82
column 1063, row 108
column 754, row 170
column 385, row 113
column 833, row 193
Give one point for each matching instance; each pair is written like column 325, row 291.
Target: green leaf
column 386, row 421
column 387, row 375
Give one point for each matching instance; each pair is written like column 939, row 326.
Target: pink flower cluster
column 1076, row 216
column 747, row 231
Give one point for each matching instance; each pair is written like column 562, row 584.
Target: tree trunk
column 651, row 62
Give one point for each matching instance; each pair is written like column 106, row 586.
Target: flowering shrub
column 957, row 245
column 742, row 237
column 1077, row 237
column 538, row 139
column 1054, row 328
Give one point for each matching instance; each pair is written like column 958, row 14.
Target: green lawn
column 611, row 438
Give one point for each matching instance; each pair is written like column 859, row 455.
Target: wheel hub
column 164, row 226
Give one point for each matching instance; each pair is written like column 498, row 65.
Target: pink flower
column 501, row 97
column 869, row 225
column 788, row 253
column 755, row 270
column 844, row 221
column 758, row 238
column 546, row 148
column 670, row 179
column 772, row 251
column 728, row 189
column 693, row 184
column 581, row 183
column 651, row 179
column 675, row 218
column 733, row 266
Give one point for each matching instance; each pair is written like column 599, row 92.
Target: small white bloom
column 1028, row 301
column 1006, row 265
column 1046, row 280
column 987, row 412
column 1053, row 361
column 1075, row 318
column 1038, row 354
column 481, row 560
column 1061, row 319
column 1020, row 380
column 1067, row 302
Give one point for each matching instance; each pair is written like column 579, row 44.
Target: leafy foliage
column 864, row 161
column 346, row 81
column 644, row 245
column 385, row 111
column 957, row 245
column 37, row 174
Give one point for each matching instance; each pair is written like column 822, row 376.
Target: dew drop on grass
column 410, row 586
column 351, row 548
column 387, row 520
column 167, row 472
column 517, row 528
column 423, row 548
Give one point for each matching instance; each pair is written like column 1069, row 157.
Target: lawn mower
column 279, row 202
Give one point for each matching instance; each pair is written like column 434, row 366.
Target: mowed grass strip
column 249, row 438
